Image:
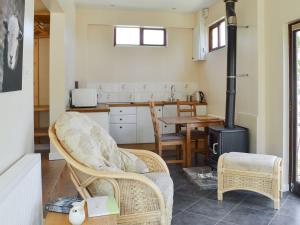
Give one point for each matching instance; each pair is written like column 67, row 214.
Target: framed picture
column 11, row 44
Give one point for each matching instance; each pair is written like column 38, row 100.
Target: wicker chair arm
column 122, row 176
column 154, row 162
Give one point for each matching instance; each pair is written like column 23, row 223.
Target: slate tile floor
column 195, row 207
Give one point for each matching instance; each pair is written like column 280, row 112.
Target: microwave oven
column 84, row 97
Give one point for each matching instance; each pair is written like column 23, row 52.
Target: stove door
column 213, row 147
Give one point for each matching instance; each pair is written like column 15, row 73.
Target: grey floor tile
column 292, row 196
column 185, row 218
column 225, row 223
column 291, row 207
column 231, row 196
column 282, row 220
column 211, row 208
column 259, row 202
column 192, row 190
column 182, row 202
column 179, row 182
column 247, row 216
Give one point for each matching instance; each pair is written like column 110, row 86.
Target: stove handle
column 214, row 148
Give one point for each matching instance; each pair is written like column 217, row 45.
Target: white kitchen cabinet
column 122, row 125
column 123, row 119
column 123, row 110
column 123, row 133
column 169, row 110
column 145, row 131
column 100, row 117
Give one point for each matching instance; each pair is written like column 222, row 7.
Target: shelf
column 41, row 132
column 41, row 108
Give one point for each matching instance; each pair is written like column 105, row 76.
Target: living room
column 130, row 66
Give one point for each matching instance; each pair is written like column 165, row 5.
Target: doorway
column 41, row 77
column 294, row 48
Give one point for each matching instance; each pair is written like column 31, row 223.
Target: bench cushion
column 249, row 162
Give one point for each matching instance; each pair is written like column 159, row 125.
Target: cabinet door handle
column 165, row 126
column 121, row 119
column 121, row 111
column 121, row 127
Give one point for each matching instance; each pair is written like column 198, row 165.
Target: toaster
column 84, row 97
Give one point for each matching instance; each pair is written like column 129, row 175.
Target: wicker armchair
column 141, row 200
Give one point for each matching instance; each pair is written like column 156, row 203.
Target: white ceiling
column 165, row 5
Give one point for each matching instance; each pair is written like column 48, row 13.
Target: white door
column 145, row 131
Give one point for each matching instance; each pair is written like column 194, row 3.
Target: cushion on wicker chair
column 91, row 145
column 165, row 184
column 244, row 162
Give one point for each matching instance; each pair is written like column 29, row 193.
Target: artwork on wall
column 11, row 44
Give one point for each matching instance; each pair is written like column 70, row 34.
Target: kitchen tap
column 172, row 98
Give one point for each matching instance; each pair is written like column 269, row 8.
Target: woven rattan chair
column 140, row 200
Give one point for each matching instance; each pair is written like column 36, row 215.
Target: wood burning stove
column 223, row 140
column 229, row 138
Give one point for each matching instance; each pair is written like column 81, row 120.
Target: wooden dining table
column 191, row 122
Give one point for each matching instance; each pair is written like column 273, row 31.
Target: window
column 217, row 35
column 140, row 36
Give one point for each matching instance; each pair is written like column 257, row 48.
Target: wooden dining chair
column 200, row 137
column 186, row 108
column 171, row 139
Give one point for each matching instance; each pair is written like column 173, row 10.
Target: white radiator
column 21, row 192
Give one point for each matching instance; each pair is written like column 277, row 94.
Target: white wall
column 214, row 69
column 16, row 114
column 98, row 60
column 62, row 57
column 278, row 15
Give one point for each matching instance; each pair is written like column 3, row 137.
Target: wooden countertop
column 158, row 103
column 106, row 107
column 98, row 108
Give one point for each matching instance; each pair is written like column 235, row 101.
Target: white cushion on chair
column 165, row 184
column 249, row 162
column 91, row 145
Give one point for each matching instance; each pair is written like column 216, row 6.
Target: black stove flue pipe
column 231, row 63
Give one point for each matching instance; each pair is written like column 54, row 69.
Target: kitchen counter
column 136, row 104
column 106, row 107
column 98, row 108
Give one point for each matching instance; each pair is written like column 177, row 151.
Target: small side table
column 63, row 219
